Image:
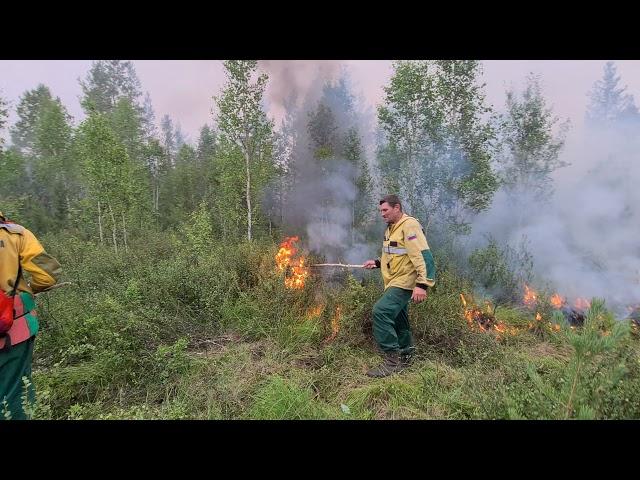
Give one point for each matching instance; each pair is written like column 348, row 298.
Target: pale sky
column 183, row 89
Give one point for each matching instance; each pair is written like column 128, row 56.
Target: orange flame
column 295, row 271
column 471, row 314
column 557, row 301
column 464, row 302
column 484, row 321
column 299, row 274
column 530, row 296
column 287, row 250
column 315, row 311
column 477, row 319
column 335, row 324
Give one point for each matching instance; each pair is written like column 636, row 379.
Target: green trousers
column 391, row 321
column 15, row 364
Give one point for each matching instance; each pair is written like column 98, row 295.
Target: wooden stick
column 336, row 265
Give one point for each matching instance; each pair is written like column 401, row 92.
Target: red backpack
column 7, row 307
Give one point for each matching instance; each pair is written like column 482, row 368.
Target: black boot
column 390, row 365
column 406, row 357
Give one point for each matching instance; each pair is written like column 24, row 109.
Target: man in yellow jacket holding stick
column 408, row 270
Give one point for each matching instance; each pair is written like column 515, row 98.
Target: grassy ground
column 165, row 332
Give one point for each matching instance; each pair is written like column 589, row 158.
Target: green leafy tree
column 108, row 173
column 55, row 170
column 30, row 105
column 42, row 135
column 468, row 137
column 411, row 122
column 363, row 206
column 126, row 122
column 205, row 159
column 246, row 138
column 4, row 113
column 183, row 184
column 107, row 82
column 155, row 160
column 436, row 147
column 324, row 135
column 610, row 102
column 529, row 147
column 13, row 168
column 148, row 118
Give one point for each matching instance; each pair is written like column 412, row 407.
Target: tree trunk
column 113, row 230
column 124, row 233
column 68, row 202
column 156, row 197
column 246, row 158
column 100, row 223
column 353, row 217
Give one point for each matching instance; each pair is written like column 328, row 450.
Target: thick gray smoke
column 292, row 84
column 585, row 241
column 320, row 203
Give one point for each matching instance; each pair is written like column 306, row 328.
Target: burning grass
column 264, row 352
column 295, row 271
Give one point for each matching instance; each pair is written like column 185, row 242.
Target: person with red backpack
column 20, row 251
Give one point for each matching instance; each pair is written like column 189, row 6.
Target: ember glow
column 482, row 320
column 485, row 321
column 335, row 324
column 530, row 296
column 557, row 301
column 295, row 271
column 315, row 311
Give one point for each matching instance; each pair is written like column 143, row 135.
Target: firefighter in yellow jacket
column 408, row 270
column 20, row 251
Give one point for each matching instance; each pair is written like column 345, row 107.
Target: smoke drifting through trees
column 316, row 174
column 328, row 190
column 583, row 235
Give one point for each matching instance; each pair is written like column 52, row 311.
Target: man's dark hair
column 392, row 200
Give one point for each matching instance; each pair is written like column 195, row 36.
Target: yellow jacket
column 406, row 259
column 18, row 242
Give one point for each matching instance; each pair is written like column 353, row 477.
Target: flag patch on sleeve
column 412, row 236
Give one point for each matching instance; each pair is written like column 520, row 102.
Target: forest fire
column 485, row 320
column 530, row 296
column 574, row 315
column 295, row 271
column 315, row 311
column 476, row 318
column 335, row 324
column 582, row 304
column 557, row 301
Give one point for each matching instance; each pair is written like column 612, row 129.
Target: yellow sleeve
column 44, row 269
column 415, row 243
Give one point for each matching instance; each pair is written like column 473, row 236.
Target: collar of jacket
column 393, row 227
